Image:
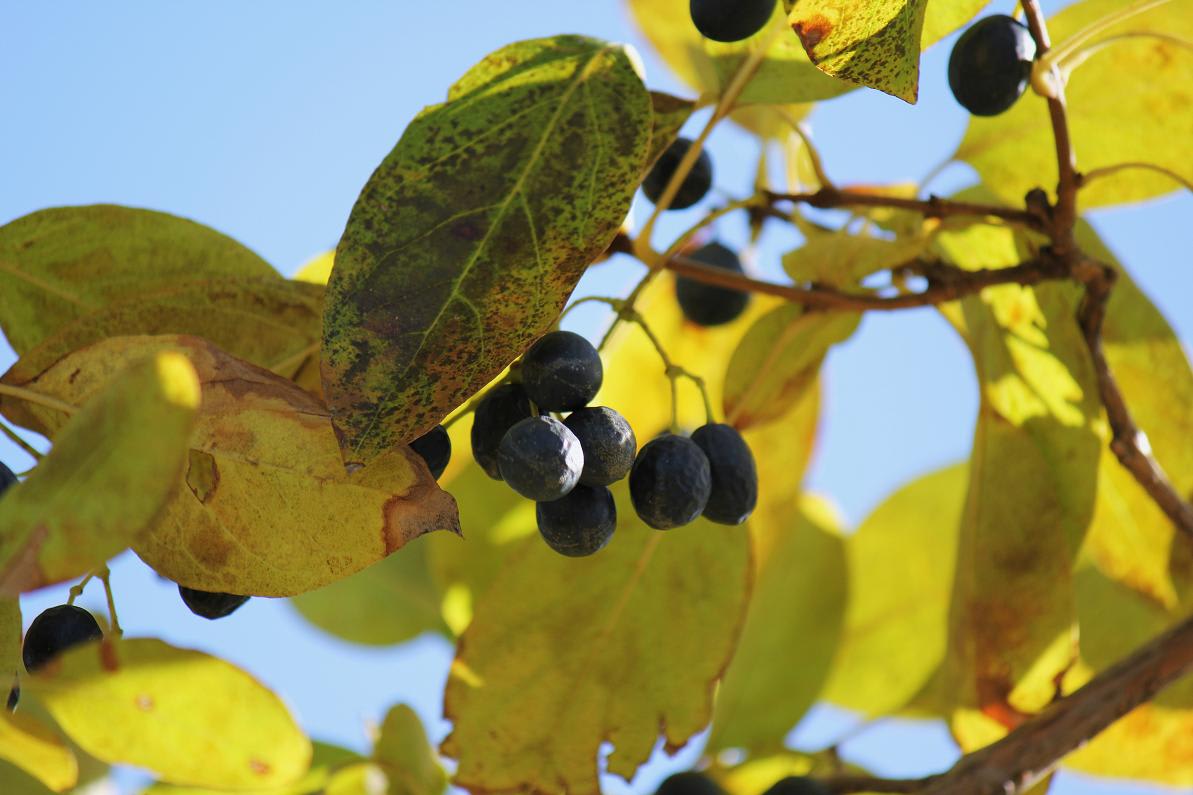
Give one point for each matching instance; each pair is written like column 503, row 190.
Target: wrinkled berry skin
column 435, row 447
column 540, row 459
column 797, row 785
column 608, row 443
column 56, row 630
column 689, row 783
column 210, row 605
column 501, row 409
column 562, row 372
column 707, row 304
column 730, row 20
column 734, row 477
column 670, row 482
column 7, row 478
column 990, row 65
column 580, row 523
column 694, row 186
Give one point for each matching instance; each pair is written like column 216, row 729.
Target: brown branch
column 1128, row 443
column 951, row 284
column 932, row 207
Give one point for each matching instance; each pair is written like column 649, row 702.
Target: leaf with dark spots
column 670, row 115
column 468, row 239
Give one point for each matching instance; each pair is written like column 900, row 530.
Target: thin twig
column 20, row 442
column 105, row 576
column 932, row 207
column 29, row 396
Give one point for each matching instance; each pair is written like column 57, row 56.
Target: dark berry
column 670, row 482
column 991, row 64
column 797, row 785
column 501, row 409
column 734, row 477
column 689, row 783
column 730, row 20
column 540, row 459
column 562, row 372
column 56, row 630
column 695, row 184
column 7, row 478
column 607, row 441
column 210, row 605
column 580, row 523
column 435, row 447
column 707, row 304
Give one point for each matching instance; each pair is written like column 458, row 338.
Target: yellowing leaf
column 901, row 562
column 389, row 602
column 10, row 642
column 188, row 717
column 1132, row 100
column 790, row 637
column 670, row 115
column 111, row 471
column 409, row 762
column 466, row 242
column 875, row 44
column 38, row 750
column 317, row 270
column 266, row 506
column 59, row 264
column 326, row 760
column 778, row 360
column 617, row 647
column 842, row 259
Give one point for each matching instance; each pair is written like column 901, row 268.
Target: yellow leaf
column 792, row 629
column 10, row 643
column 188, row 717
column 265, row 506
column 112, row 469
column 326, row 760
column 842, row 259
column 317, row 270
column 1131, row 101
column 37, row 750
column 409, row 762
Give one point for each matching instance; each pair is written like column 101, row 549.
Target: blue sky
column 264, row 120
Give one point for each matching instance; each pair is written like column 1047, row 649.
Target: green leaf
column 387, row 603
column 325, row 761
column 403, row 752
column 670, row 115
column 841, row 259
column 468, row 239
column 59, row 264
column 617, row 647
column 1127, row 81
column 186, row 716
column 265, row 506
column 875, row 44
column 37, row 750
column 110, row 472
column 778, row 360
column 10, row 644
column 901, row 562
column 792, row 629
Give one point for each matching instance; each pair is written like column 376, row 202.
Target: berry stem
column 29, row 396
column 673, row 371
column 77, row 590
column 19, row 441
column 105, row 576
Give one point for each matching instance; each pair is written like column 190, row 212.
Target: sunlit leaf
column 778, row 360
column 113, row 467
column 670, row 115
column 901, row 562
column 325, row 761
column 1132, row 100
column 387, row 603
column 468, row 239
column 792, row 629
column 10, row 644
column 38, row 750
column 266, row 506
column 316, row 270
column 188, row 717
column 403, row 752
column 59, row 264
column 842, row 259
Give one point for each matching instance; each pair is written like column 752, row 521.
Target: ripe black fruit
column 689, row 783
column 435, row 447
column 670, row 482
column 707, row 304
column 540, row 459
column 7, row 478
column 990, row 65
column 562, row 372
column 734, row 491
column 580, row 523
column 501, row 409
column 211, row 605
column 56, row 630
column 730, row 20
column 797, row 785
column 695, row 184
column 607, row 441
